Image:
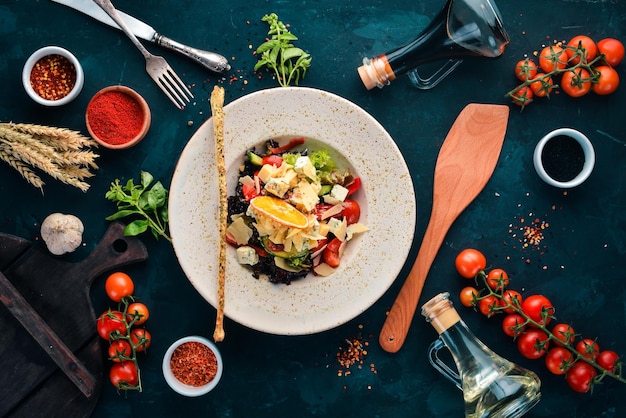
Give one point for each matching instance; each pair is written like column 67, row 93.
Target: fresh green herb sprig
column 149, row 204
column 278, row 54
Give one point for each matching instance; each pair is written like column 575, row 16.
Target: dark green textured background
column 580, row 269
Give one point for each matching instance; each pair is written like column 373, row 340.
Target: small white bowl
column 43, row 52
column 589, row 153
column 188, row 390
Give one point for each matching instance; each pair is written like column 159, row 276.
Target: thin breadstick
column 217, row 104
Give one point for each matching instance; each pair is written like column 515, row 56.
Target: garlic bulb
column 62, row 233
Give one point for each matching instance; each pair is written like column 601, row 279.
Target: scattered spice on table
column 194, row 363
column 53, row 77
column 115, row 117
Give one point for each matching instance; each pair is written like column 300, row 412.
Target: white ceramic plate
column 372, row 260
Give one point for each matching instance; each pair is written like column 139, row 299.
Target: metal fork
column 156, row 66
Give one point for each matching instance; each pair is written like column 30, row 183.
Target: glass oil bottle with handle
column 492, row 386
column 463, row 28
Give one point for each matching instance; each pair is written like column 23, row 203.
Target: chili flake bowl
column 117, row 117
column 42, row 78
column 187, row 389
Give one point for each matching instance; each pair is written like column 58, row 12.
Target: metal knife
column 210, row 60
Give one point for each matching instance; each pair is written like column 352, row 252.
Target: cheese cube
column 339, row 192
column 239, row 230
column 305, row 167
column 277, row 187
column 266, row 172
column 247, row 255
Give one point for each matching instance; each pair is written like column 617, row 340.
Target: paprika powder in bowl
column 52, row 76
column 192, row 366
column 117, row 117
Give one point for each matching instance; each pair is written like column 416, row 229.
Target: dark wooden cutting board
column 31, row 384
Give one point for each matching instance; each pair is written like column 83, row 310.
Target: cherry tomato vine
column 528, row 320
column 123, row 329
column 581, row 64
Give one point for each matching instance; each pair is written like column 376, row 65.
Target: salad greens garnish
column 278, row 54
column 149, row 204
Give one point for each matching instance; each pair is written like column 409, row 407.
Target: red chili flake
column 194, row 363
column 53, row 77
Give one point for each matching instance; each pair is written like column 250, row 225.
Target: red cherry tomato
column 564, row 334
column 331, row 254
column 552, row 58
column 581, row 45
column 525, row 69
column 559, row 360
column 275, row 160
column 533, row 343
column 124, row 375
column 512, row 298
column 513, row 325
column 351, row 211
column 119, row 285
column 608, row 359
column 607, row 81
column 468, row 296
column 538, row 307
column 470, row 262
column 613, row 51
column 137, row 313
column 580, row 376
column 109, row 324
column 522, row 96
column 488, row 306
column 120, row 350
column 140, row 339
column 497, row 279
column 249, row 192
column 543, row 86
column 576, row 83
column 588, row 348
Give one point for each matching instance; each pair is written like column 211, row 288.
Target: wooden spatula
column 465, row 163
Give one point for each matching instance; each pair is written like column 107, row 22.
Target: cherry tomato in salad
column 588, row 348
column 249, row 191
column 124, row 375
column 579, row 46
column 274, row 160
column 523, row 96
column 354, row 186
column 137, row 313
column 331, row 254
column 564, row 333
column 559, row 360
column 576, row 83
column 120, row 350
column 608, row 359
column 512, row 298
column 513, row 325
column 607, row 81
column 470, row 262
column 533, row 343
column 468, row 296
column 580, row 376
column 525, row 69
column 351, row 211
column 543, row 86
column 109, row 324
column 119, row 285
column 613, row 51
column 140, row 339
column 497, row 279
column 552, row 58
column 538, row 308
column 488, row 306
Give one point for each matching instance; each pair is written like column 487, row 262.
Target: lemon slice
column 279, row 211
